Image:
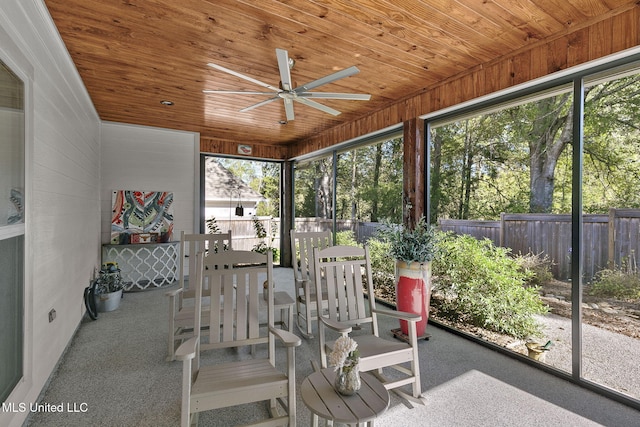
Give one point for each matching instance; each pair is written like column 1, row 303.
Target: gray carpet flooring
column 115, row 373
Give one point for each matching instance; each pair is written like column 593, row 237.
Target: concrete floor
column 115, row 368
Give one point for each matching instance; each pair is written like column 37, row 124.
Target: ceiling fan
column 288, row 93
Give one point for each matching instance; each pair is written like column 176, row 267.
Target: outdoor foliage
column 214, row 228
column 381, row 259
column 267, row 237
column 410, row 245
column 212, row 225
column 621, row 283
column 382, row 266
column 346, row 238
column 518, row 159
column 263, row 177
column 482, row 285
column 369, row 184
column 537, row 268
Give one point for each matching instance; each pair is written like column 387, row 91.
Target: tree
column 548, row 131
column 487, row 158
column 263, row 177
column 269, row 187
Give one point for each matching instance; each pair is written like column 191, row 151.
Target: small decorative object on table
column 345, row 358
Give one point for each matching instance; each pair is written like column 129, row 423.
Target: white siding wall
column 62, row 190
column 150, row 159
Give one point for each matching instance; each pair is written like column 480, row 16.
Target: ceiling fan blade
column 328, row 79
column 242, row 76
column 288, row 109
column 239, row 92
column 329, row 95
column 285, row 70
column 317, row 106
column 259, row 104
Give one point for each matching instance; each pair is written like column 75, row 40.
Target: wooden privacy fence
column 608, row 240
column 243, row 232
column 245, row 237
column 362, row 231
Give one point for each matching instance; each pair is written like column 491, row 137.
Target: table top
column 321, row 398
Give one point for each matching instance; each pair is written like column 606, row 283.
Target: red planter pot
column 413, row 292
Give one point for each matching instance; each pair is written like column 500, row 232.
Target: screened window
column 12, row 143
column 553, row 177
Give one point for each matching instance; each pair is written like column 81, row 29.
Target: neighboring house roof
column 221, row 184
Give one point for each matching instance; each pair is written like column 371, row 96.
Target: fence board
column 544, row 234
column 550, row 235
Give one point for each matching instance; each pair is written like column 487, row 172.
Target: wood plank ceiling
column 132, row 54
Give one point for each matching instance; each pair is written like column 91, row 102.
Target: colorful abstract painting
column 141, row 212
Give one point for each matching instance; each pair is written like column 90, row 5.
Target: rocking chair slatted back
column 236, row 288
column 344, row 269
column 302, row 245
column 190, row 245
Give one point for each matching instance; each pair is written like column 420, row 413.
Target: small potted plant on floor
column 413, row 250
column 108, row 287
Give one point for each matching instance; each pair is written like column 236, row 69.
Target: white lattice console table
column 144, row 265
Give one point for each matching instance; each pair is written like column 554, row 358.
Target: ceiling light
column 165, row 102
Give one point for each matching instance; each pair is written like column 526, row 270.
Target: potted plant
column 108, row 287
column 413, row 250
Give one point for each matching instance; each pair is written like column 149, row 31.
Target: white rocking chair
column 181, row 299
column 235, row 291
column 347, row 272
column 302, row 244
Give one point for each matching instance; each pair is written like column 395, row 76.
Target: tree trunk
column 465, row 185
column 354, row 178
column 323, row 189
column 545, row 151
column 376, row 181
column 434, row 186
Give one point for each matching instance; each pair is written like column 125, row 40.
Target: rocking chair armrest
column 174, row 292
column 289, row 339
column 402, row 315
column 187, row 349
column 335, row 325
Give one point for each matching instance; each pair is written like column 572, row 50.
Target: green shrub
column 267, row 237
column 537, row 267
column 482, row 285
column 346, row 238
column 381, row 259
column 621, row 283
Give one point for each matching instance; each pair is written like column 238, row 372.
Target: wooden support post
column 414, row 183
